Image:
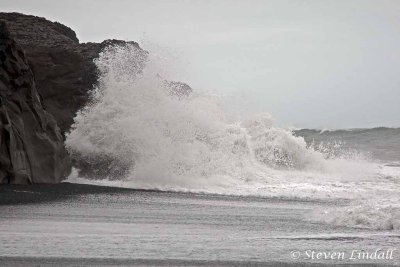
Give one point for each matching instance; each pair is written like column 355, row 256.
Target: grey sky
column 319, row 63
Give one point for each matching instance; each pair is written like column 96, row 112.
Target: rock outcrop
column 178, row 89
column 47, row 73
column 31, row 144
column 63, row 67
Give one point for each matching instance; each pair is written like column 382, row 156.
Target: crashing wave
column 142, row 131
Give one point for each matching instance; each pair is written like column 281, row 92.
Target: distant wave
column 350, row 130
column 381, row 143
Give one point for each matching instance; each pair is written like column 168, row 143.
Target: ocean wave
column 135, row 133
column 372, row 215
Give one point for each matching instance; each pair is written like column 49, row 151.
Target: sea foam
column 145, row 137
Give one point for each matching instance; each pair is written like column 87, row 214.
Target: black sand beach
column 25, row 194
column 88, row 225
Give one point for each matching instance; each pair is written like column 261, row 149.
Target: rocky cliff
column 63, row 67
column 31, row 144
column 58, row 74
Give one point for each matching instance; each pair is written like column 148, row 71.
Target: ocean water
column 378, row 144
column 226, row 192
column 138, row 133
column 182, row 229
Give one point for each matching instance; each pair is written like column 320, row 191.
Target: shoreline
column 11, row 194
column 16, row 194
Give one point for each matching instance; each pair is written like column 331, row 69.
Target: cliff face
column 63, row 68
column 52, row 51
column 46, row 77
column 31, row 144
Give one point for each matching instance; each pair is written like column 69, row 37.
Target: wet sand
column 82, row 225
column 25, row 194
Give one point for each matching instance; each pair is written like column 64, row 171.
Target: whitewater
column 139, row 131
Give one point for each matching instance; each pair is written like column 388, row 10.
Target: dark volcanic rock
column 52, row 51
column 63, row 68
column 31, row 144
column 178, row 89
column 64, row 73
column 35, row 31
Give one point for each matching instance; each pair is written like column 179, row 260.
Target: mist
column 314, row 64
